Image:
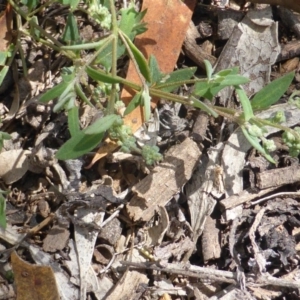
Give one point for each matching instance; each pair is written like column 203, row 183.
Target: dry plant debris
column 213, row 220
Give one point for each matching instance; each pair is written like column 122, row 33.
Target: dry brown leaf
column 6, row 28
column 164, row 40
column 33, row 282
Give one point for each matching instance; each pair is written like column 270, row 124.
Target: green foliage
column 292, row 140
column 100, row 66
column 71, row 33
column 3, row 136
column 2, row 209
column 271, row 93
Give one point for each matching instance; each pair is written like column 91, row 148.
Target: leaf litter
column 205, row 223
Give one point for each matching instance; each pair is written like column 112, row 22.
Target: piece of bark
column 128, row 286
column 227, row 20
column 233, row 158
column 290, row 20
column 193, row 50
column 243, row 197
column 57, row 238
column 253, row 47
column 289, row 50
column 211, row 248
column 164, row 182
column 292, row 4
column 278, row 177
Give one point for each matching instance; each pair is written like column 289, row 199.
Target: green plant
column 101, row 66
column 2, row 209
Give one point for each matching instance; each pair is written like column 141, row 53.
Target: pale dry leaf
column 13, row 165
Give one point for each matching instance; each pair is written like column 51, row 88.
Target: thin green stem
column 111, row 103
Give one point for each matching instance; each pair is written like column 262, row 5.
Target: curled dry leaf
column 13, row 165
column 33, row 282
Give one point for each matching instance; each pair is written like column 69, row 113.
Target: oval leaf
column 271, row 93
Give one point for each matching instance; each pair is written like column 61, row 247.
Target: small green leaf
column 255, row 142
column 247, row 108
column 156, row 75
column 175, row 79
column 232, row 80
column 32, row 4
column 209, row 69
column 81, row 94
column 102, row 76
column 5, row 135
column 146, row 101
column 72, row 3
column 71, row 33
column 199, row 104
column 135, row 102
column 101, row 125
column 79, row 145
column 138, row 56
column 271, row 93
column 2, row 211
column 73, row 121
column 3, row 73
column 226, row 72
column 33, row 30
column 54, row 92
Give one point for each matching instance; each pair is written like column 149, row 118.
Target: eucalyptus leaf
column 101, row 125
column 271, row 93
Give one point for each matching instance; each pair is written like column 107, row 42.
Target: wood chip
column 164, row 182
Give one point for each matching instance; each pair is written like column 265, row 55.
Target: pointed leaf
column 101, row 125
column 209, row 69
column 271, row 93
column 175, row 79
column 71, row 33
column 156, row 75
column 135, row 102
column 73, row 121
column 2, row 211
column 146, row 99
column 79, row 145
column 138, row 56
column 54, row 92
column 102, row 76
